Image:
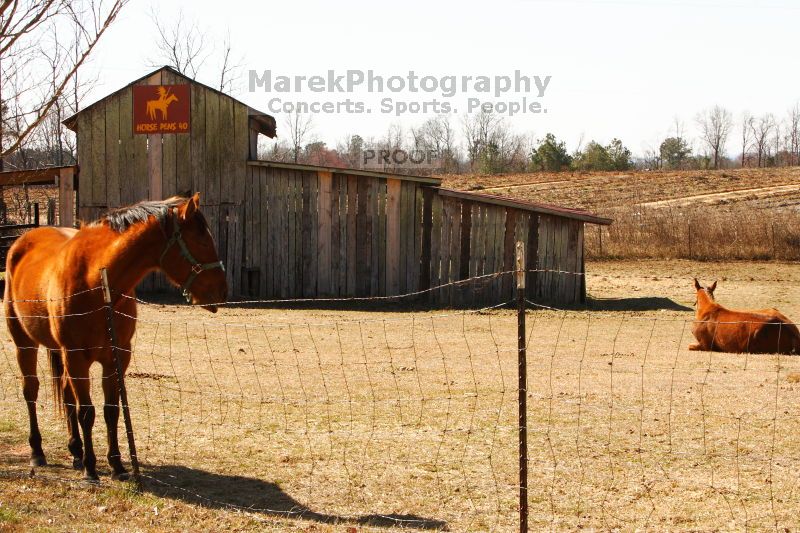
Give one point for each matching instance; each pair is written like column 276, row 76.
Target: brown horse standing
column 53, row 299
column 756, row 331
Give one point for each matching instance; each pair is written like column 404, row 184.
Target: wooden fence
column 10, row 232
column 317, row 234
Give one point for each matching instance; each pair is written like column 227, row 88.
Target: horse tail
column 57, row 370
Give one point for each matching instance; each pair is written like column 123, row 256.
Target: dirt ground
column 371, row 418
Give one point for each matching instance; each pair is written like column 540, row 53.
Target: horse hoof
column 120, row 476
column 91, row 478
column 77, row 464
column 38, row 460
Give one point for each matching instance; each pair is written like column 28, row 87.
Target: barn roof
column 260, row 121
column 545, row 209
column 504, row 201
column 427, row 180
column 36, row 176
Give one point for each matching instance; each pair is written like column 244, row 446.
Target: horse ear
column 697, row 285
column 188, row 210
column 712, row 287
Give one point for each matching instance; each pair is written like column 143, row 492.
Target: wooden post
column 600, row 239
column 253, row 144
column 123, row 393
column 51, row 211
column 36, row 214
column 324, row 251
column 66, row 197
column 522, row 389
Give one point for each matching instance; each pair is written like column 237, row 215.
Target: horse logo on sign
column 165, row 98
column 161, row 108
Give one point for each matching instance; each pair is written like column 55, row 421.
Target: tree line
column 758, row 141
column 485, row 144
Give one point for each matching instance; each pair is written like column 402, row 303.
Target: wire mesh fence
column 401, row 418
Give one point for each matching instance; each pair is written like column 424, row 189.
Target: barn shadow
column 642, row 303
column 220, row 491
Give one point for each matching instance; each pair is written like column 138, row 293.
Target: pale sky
column 619, row 68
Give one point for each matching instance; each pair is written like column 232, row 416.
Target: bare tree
column 715, row 125
column 437, row 135
column 388, row 147
column 747, row 129
column 776, row 143
column 680, row 128
column 478, row 130
column 180, row 45
column 793, row 135
column 24, row 53
column 761, row 129
column 275, row 151
column 351, row 150
column 300, row 127
column 651, row 159
column 183, row 46
column 230, row 68
column 53, row 138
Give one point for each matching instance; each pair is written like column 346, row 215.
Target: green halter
column 197, row 266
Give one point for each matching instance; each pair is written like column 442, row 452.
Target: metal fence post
column 522, row 390
column 123, row 393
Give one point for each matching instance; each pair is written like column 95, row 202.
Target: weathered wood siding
column 321, row 235
column 118, row 168
column 286, row 232
column 474, row 243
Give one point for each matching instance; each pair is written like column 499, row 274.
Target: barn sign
column 161, row 109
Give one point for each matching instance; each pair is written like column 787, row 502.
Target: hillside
column 603, row 191
column 708, row 215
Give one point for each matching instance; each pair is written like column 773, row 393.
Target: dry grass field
column 736, row 214
column 371, row 418
column 599, row 191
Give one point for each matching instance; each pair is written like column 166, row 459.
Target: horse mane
column 124, row 217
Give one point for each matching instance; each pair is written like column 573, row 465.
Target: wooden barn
column 288, row 231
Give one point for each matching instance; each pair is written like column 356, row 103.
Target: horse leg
column 26, row 358
column 74, row 444
column 78, row 376
column 111, row 415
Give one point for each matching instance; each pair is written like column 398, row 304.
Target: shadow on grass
column 221, row 491
column 644, row 303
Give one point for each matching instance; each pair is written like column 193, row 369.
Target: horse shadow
column 220, row 491
column 643, row 303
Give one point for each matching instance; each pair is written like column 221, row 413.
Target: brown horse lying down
column 756, row 331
